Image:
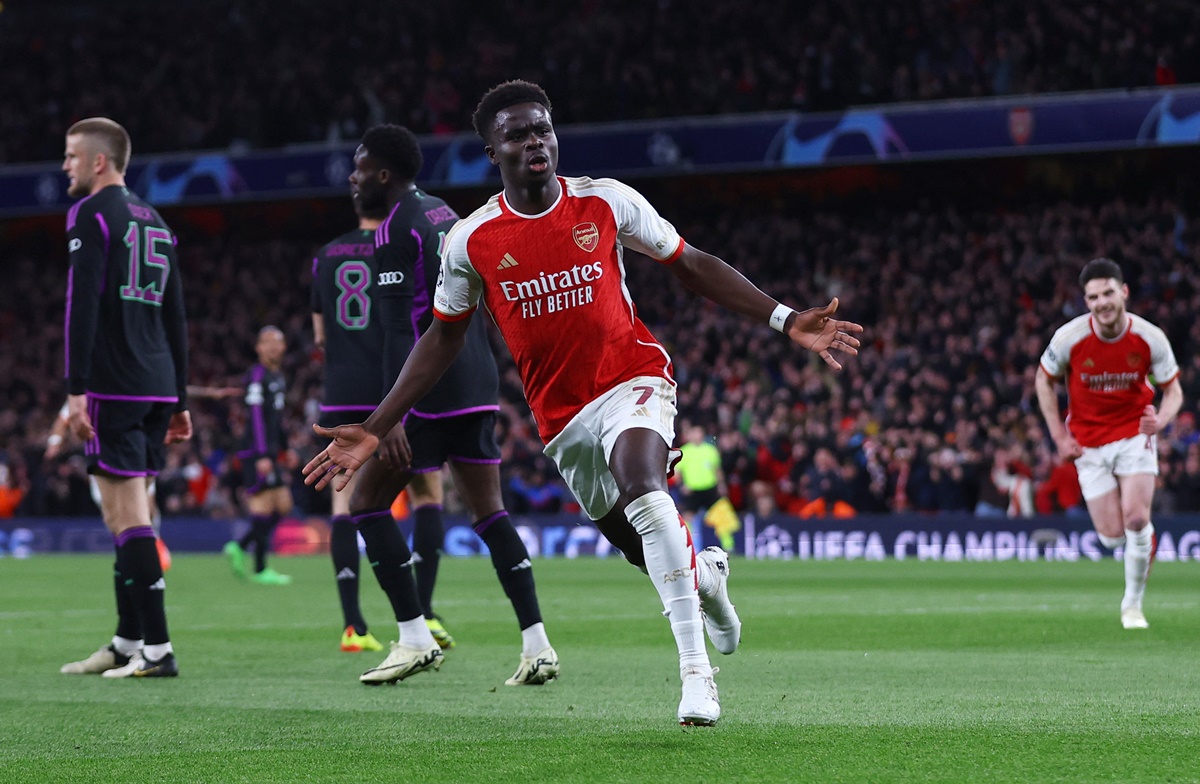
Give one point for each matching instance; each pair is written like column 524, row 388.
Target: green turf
column 848, row 672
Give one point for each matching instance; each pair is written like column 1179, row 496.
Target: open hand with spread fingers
column 817, row 331
column 352, row 446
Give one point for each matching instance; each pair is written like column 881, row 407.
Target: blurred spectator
column 12, row 491
column 826, row 488
column 530, row 492
column 1014, row 478
column 1164, row 74
column 1060, row 492
column 1182, row 434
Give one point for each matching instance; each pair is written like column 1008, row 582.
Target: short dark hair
column 112, row 138
column 1102, row 269
column 500, row 98
column 396, row 149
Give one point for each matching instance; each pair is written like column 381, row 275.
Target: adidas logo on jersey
column 506, row 262
column 642, row 412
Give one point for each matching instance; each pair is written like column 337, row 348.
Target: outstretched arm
column 353, row 445
column 814, row 329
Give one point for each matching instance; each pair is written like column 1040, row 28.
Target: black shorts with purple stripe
column 469, row 437
column 129, row 434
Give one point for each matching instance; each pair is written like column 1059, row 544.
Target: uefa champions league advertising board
column 944, row 537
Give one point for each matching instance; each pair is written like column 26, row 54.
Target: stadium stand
column 938, row 413
column 327, row 71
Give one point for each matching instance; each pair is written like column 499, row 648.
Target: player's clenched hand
column 395, row 450
column 1068, row 447
column 1148, row 424
column 179, row 428
column 818, row 332
column 352, row 446
column 77, row 418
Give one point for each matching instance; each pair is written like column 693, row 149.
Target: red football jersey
column 1108, row 381
column 555, row 285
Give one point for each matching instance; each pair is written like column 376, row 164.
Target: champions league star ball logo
column 586, row 236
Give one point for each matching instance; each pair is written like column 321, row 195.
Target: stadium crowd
column 326, row 71
column 937, row 413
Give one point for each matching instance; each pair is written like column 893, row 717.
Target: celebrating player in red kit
column 1109, row 358
column 546, row 257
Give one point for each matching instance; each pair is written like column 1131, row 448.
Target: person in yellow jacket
column 702, row 485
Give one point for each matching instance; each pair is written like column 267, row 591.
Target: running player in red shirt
column 546, row 257
column 1109, row 358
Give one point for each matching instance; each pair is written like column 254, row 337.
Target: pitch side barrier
column 952, row 537
column 942, row 537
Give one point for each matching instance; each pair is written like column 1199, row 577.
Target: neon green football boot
column 237, row 558
column 440, row 635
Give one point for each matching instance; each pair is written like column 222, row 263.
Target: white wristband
column 779, row 317
column 54, row 440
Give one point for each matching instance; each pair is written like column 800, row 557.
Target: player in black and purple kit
column 346, row 326
column 454, row 423
column 126, row 370
column 264, row 478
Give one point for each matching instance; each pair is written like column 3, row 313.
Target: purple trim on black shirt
column 73, row 213
column 103, row 230
column 67, row 324
column 92, row 447
column 383, row 234
column 420, row 303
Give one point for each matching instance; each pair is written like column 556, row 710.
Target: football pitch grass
column 848, row 672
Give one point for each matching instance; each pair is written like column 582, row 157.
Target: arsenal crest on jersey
column 586, row 236
column 1134, row 359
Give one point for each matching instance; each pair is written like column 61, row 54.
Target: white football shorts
column 1100, row 466
column 582, row 449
